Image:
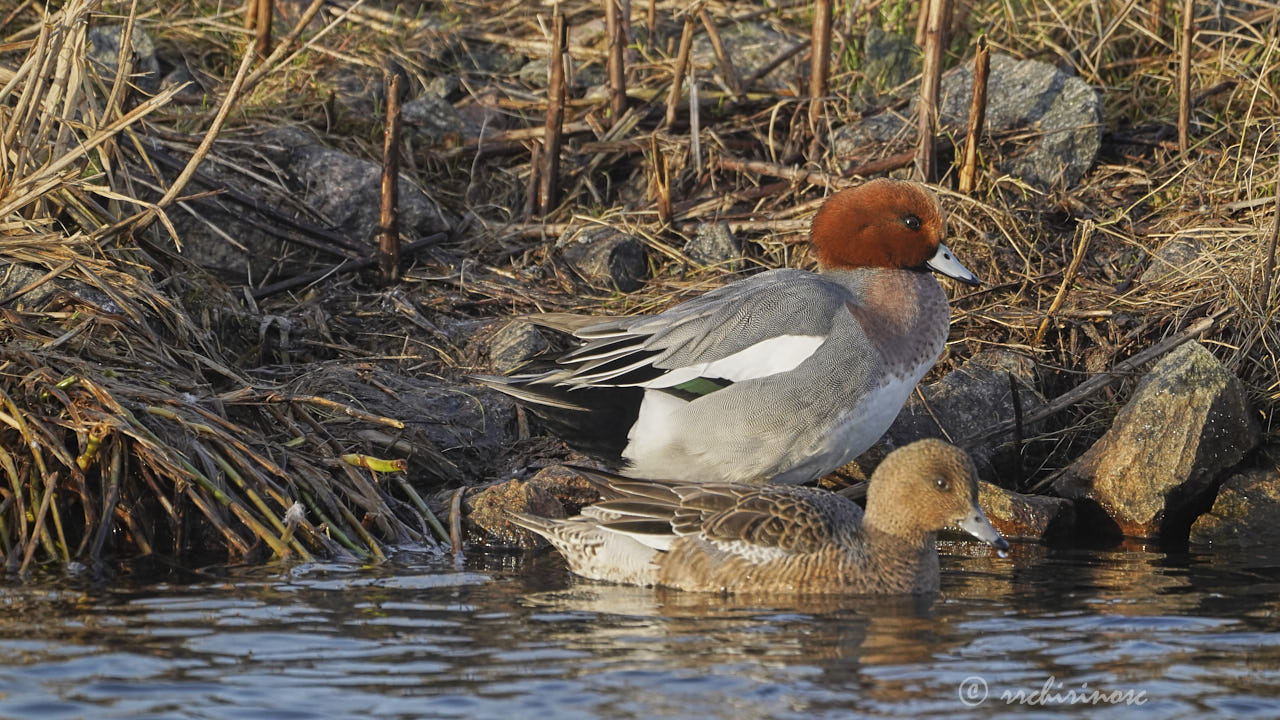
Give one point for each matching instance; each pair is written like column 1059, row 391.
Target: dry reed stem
column 727, row 70
column 549, row 190
column 977, row 117
column 389, row 210
column 682, row 66
column 820, row 63
column 616, row 63
column 264, row 12
column 931, row 76
column 1184, row 75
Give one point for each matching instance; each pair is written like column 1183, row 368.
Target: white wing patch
column 767, row 357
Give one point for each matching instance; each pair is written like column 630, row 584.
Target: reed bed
column 146, row 414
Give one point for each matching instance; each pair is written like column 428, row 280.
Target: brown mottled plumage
column 730, row 537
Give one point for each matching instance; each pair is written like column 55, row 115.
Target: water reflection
column 512, row 637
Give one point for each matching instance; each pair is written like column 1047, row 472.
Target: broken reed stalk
column 1155, row 17
column 250, row 14
column 557, row 88
column 682, row 66
column 661, row 181
column 820, row 61
column 389, row 211
column 722, row 55
column 927, row 122
column 1082, row 247
column 262, row 23
column 651, row 24
column 616, row 63
column 1184, row 75
column 977, row 116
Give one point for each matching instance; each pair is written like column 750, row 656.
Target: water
column 511, row 637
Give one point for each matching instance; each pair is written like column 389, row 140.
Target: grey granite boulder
column 1059, row 114
column 347, row 189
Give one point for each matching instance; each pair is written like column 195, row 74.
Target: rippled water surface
column 509, row 637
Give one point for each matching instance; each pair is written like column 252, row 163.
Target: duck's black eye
column 941, row 483
column 912, row 222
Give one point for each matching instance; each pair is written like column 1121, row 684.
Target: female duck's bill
column 977, row 525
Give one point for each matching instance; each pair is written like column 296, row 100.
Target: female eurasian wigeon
column 783, row 376
column 734, row 537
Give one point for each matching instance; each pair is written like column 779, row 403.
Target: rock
column 966, row 402
column 1187, row 422
column 1027, row 517
column 715, row 244
column 572, row 490
column 1062, row 111
column 347, row 189
column 1173, row 259
column 488, row 513
column 431, row 120
column 536, row 73
column 605, row 258
column 448, row 87
column 751, row 45
column 359, row 90
column 192, row 89
column 1246, row 511
column 514, row 345
column 104, row 52
column 16, row 277
column 889, row 60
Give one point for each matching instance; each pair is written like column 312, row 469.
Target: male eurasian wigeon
column 783, row 376
column 735, row 537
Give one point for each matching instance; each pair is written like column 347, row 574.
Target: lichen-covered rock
column 1059, row 112
column 968, row 401
column 487, row 513
column 1027, row 517
column 715, row 244
column 514, row 345
column 605, row 258
column 569, row 487
column 1187, row 423
column 1246, row 511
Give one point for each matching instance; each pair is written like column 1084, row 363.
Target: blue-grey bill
column 944, row 261
column 977, row 525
